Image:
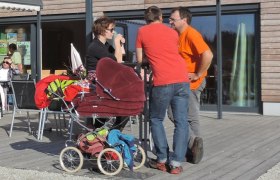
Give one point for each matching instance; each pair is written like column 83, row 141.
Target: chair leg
column 40, row 124
column 70, row 126
column 7, row 102
column 64, row 120
column 56, row 124
column 1, row 110
column 28, row 122
column 136, row 119
column 41, row 119
column 43, row 125
column 60, row 125
column 12, row 124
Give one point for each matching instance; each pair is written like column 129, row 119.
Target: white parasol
column 76, row 61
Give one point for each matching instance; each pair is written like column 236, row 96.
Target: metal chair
column 23, row 97
column 21, row 77
column 51, row 110
column 8, row 89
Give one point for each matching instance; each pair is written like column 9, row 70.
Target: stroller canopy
column 122, row 80
column 119, row 92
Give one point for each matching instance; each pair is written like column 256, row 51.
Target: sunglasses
column 6, row 62
column 111, row 30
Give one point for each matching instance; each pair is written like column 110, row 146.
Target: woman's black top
column 96, row 51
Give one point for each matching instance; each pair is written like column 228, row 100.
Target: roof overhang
column 21, row 5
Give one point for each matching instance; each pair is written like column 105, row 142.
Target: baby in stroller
column 118, row 92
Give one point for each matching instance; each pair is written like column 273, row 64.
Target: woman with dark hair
column 15, row 56
column 103, row 30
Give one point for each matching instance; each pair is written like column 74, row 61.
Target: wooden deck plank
column 237, row 147
column 246, row 161
column 261, row 168
column 225, row 157
column 222, row 152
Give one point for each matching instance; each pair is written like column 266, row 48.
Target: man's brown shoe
column 197, row 150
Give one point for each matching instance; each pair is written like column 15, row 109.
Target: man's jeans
column 193, row 113
column 176, row 95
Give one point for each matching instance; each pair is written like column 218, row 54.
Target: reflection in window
column 239, row 61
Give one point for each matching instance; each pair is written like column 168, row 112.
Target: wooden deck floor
column 240, row 146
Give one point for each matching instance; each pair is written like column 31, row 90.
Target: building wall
column 270, row 56
column 270, row 37
column 270, row 33
column 270, row 29
column 270, row 51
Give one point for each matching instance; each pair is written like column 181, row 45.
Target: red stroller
column 118, row 92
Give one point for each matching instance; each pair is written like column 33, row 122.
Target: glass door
column 240, row 61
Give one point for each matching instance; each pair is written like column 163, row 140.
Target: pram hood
column 124, row 85
column 122, row 80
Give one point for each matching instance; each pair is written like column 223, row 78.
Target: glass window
column 20, row 36
column 132, row 29
column 240, row 87
column 239, row 60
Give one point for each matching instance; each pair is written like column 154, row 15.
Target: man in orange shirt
column 198, row 57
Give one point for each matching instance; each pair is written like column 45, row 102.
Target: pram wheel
column 139, row 157
column 110, row 161
column 71, row 159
